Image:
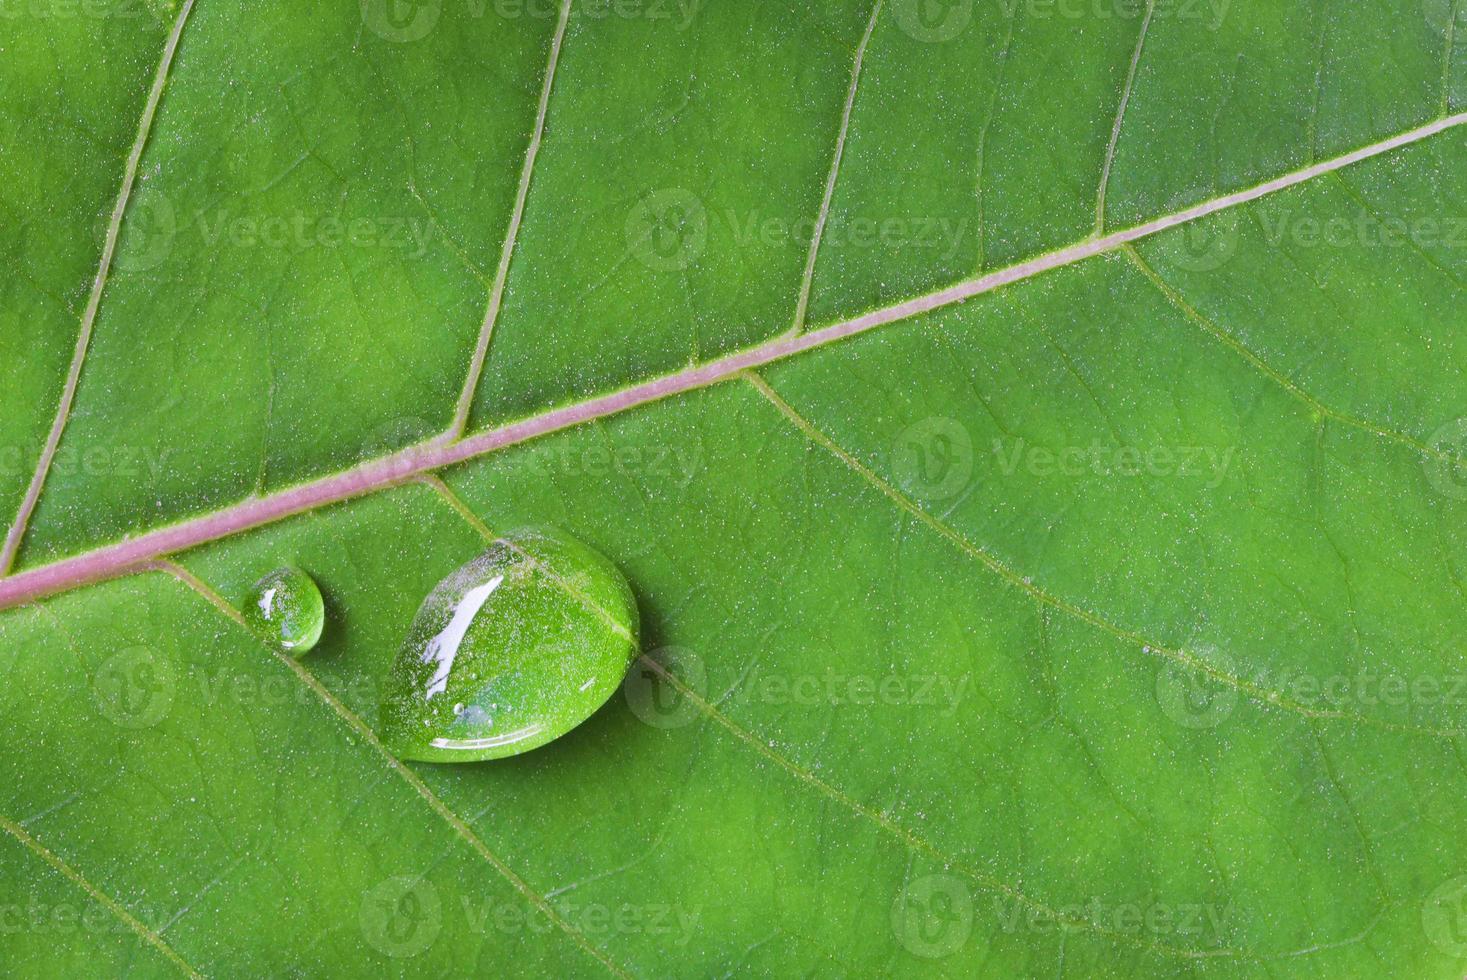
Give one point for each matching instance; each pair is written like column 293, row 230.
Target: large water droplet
column 286, row 608
column 510, row 651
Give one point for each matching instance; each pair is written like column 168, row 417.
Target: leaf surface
column 1034, row 435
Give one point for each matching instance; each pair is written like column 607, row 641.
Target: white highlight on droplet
column 469, row 744
column 443, row 648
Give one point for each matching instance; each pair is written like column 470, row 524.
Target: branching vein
column 362, row 729
column 501, row 275
column 1314, row 404
column 94, row 300
column 807, row 280
column 102, row 898
column 1192, row 662
column 1115, row 132
column 388, row 471
column 810, row 779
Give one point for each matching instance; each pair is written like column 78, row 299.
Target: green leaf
column 1034, row 433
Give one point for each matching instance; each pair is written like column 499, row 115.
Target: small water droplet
column 510, row 651
column 286, row 608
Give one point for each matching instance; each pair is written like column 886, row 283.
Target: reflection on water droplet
column 523, row 643
column 443, row 648
column 286, row 608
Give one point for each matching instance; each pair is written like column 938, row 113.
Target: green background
column 1107, row 624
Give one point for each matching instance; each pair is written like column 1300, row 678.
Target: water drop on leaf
column 510, row 651
column 285, row 607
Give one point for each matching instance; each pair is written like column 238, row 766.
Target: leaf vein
column 17, row 530
column 362, row 729
column 807, row 280
column 97, row 895
column 881, row 820
column 1177, row 300
column 392, row 470
column 1249, row 689
column 511, row 236
column 1115, row 132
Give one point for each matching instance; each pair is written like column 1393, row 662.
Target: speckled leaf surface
column 1033, row 432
